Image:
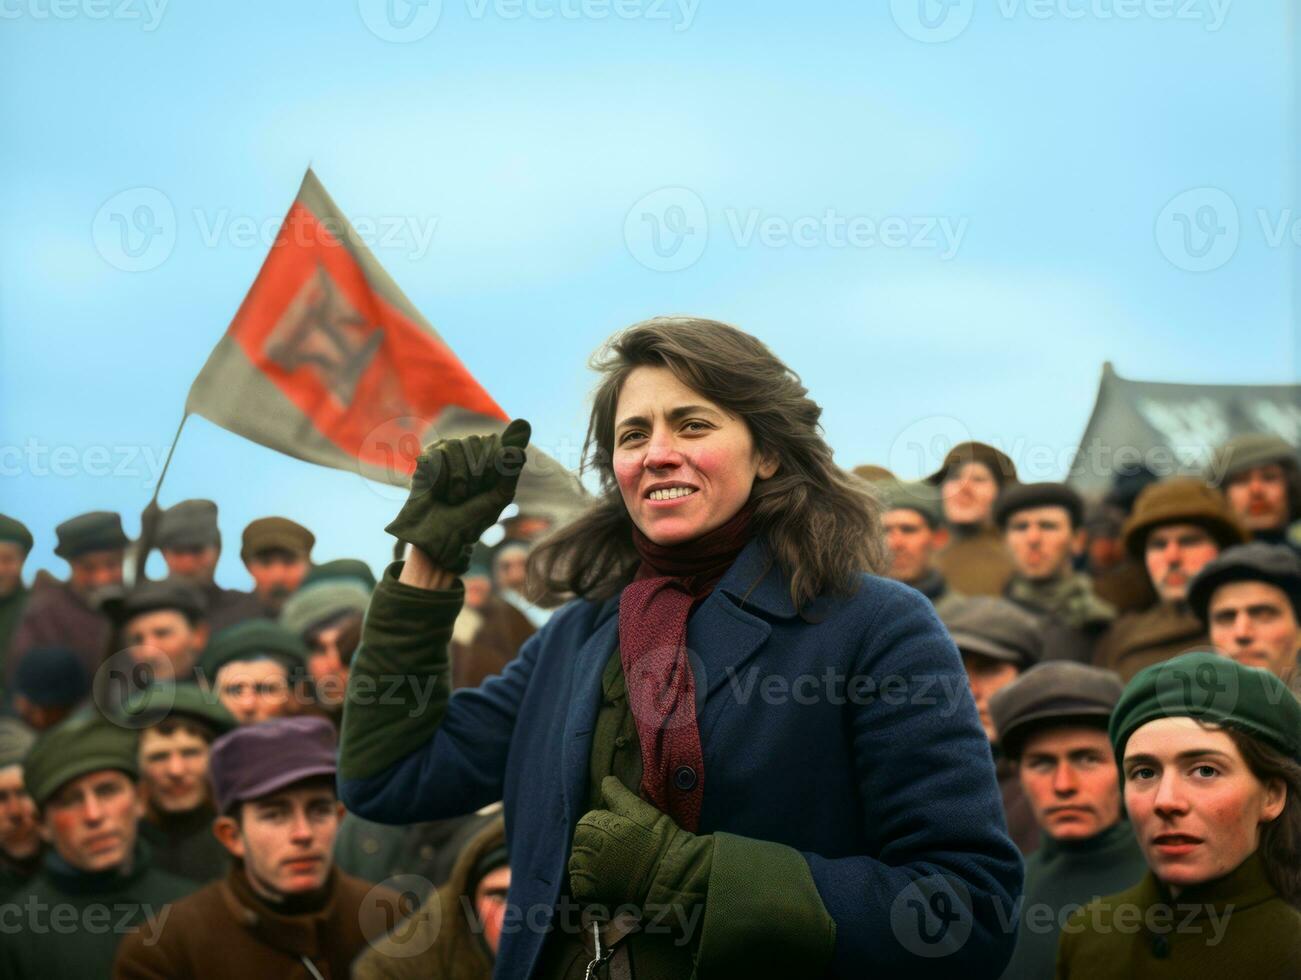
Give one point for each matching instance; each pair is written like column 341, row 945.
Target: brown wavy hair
column 818, row 523
column 1280, row 839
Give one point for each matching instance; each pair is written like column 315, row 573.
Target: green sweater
column 1234, row 926
column 1061, row 877
column 752, row 885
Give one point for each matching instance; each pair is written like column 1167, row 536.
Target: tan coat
column 1138, row 640
column 976, row 565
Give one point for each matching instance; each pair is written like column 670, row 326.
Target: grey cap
column 152, row 596
column 1273, row 564
column 1024, row 496
column 919, row 496
column 189, row 524
column 1246, row 451
column 1059, row 692
column 995, row 628
column 15, row 742
column 100, row 530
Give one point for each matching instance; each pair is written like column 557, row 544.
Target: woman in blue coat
column 736, row 752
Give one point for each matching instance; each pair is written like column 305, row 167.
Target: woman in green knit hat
column 1210, row 762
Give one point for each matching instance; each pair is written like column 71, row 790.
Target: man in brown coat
column 1178, row 525
column 975, row 561
column 66, row 614
column 284, row 910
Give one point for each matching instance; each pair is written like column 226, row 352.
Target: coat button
column 1160, row 947
column 684, row 778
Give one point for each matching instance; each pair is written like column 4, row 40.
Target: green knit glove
column 631, row 854
column 458, row 490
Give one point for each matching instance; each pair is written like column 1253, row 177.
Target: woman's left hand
column 629, row 853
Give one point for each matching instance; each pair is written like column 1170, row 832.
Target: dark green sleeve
column 400, row 679
column 763, row 916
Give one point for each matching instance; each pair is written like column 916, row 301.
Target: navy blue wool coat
column 852, row 738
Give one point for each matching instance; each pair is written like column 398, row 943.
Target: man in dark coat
column 1052, row 723
column 998, row 640
column 283, row 910
column 21, row 847
column 97, row 882
column 15, row 544
column 1041, row 523
column 183, row 721
column 975, row 561
column 914, row 534
column 1261, row 479
column 66, row 614
column 190, row 542
column 1178, row 525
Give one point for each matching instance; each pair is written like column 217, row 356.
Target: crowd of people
column 1091, row 767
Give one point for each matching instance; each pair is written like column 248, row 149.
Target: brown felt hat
column 1181, row 500
column 267, row 533
column 997, row 461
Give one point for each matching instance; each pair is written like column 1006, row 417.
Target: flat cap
column 164, row 700
column 341, row 569
column 12, row 529
column 16, row 740
column 255, row 761
column 1059, row 692
column 189, row 524
column 994, row 627
column 1181, row 500
column 997, row 461
column 1023, row 496
column 1215, row 690
column 78, row 746
column 99, row 530
column 276, row 532
column 315, row 604
column 918, row 496
column 51, row 677
column 1273, row 564
column 1246, row 451
column 251, row 639
column 153, row 596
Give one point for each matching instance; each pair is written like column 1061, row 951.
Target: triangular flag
column 329, row 362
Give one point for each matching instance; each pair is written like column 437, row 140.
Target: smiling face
column 1174, row 554
column 1196, row 807
column 684, row 465
column 1070, row 779
column 286, row 840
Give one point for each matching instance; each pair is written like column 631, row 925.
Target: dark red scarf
column 653, row 613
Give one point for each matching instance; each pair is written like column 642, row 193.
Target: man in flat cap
column 277, row 553
column 1250, row 600
column 180, row 723
column 66, row 614
column 97, row 881
column 1041, row 523
column 998, row 640
column 975, row 561
column 1260, row 477
column 283, row 909
column 190, row 542
column 1178, row 525
column 21, row 847
column 15, row 544
column 914, row 534
column 1052, row 724
column 256, row 668
column 163, row 625
column 323, row 615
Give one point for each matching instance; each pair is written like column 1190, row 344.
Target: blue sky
column 940, row 235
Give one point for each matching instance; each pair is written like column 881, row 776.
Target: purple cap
column 257, row 760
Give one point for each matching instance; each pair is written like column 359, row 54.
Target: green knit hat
column 84, row 743
column 1212, row 689
column 163, row 700
column 249, row 639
